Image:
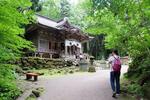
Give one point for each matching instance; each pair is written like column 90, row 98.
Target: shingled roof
column 63, row 26
column 46, row 21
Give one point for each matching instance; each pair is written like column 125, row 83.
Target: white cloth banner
column 72, row 42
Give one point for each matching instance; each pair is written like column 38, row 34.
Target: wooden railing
column 51, row 51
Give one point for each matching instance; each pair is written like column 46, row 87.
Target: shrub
column 8, row 88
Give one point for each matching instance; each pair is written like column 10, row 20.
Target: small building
column 56, row 39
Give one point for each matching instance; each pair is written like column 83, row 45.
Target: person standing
column 115, row 67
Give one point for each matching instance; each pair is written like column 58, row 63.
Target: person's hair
column 115, row 51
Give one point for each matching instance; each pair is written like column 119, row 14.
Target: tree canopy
column 14, row 15
column 55, row 9
column 124, row 23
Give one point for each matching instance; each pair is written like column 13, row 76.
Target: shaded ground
column 85, row 86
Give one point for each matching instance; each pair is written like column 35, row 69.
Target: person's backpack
column 117, row 65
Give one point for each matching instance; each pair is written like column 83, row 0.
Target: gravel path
column 87, row 86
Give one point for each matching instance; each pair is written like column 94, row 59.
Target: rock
column 18, row 70
column 75, row 63
column 92, row 69
column 26, row 68
column 69, row 63
column 36, row 93
column 38, row 63
column 71, row 72
column 31, row 97
column 59, row 71
column 40, row 73
column 40, row 89
column 49, row 63
column 76, row 70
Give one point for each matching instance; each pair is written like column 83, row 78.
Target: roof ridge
column 45, row 17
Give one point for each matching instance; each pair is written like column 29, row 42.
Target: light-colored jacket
column 111, row 61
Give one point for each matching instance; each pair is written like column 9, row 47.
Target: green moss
column 71, row 72
column 91, row 69
column 31, row 97
column 56, row 71
column 8, row 88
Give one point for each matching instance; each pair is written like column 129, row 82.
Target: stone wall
column 32, row 62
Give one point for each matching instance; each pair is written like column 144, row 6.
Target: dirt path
column 86, row 86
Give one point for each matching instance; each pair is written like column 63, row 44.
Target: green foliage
column 79, row 14
column 56, row 9
column 11, row 32
column 97, row 48
column 36, row 6
column 126, row 26
column 65, row 8
column 14, row 15
column 123, row 22
column 50, row 8
column 8, row 88
column 146, row 90
column 135, row 89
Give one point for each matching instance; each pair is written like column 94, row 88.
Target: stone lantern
column 91, row 60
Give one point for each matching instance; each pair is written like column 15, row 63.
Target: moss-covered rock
column 59, row 71
column 91, row 69
column 31, row 97
column 39, row 63
column 18, row 70
column 36, row 93
column 71, row 71
column 26, row 68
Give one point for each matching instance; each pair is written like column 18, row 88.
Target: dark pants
column 115, row 81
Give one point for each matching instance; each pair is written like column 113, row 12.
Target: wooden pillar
column 88, row 46
column 66, row 50
column 82, row 48
column 73, row 50
column 70, row 50
column 38, row 42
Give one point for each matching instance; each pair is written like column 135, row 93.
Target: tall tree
column 50, row 8
column 13, row 16
column 97, row 48
column 65, row 8
column 58, row 9
column 126, row 25
column 36, row 5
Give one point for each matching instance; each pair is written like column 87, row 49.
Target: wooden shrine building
column 56, row 39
